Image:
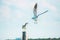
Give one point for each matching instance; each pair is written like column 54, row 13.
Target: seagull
column 35, row 13
column 24, row 26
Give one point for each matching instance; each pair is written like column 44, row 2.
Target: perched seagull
column 24, row 26
column 35, row 13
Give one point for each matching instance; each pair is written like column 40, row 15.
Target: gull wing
column 35, row 10
column 43, row 12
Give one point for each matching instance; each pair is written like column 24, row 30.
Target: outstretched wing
column 43, row 12
column 35, row 10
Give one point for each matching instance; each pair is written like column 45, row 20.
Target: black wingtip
column 35, row 6
column 46, row 11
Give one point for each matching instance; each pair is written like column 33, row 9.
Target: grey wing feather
column 35, row 10
column 43, row 12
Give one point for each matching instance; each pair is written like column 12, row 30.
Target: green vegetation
column 37, row 39
column 46, row 39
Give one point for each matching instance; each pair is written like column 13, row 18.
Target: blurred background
column 15, row 13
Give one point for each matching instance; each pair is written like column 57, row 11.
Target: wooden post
column 24, row 32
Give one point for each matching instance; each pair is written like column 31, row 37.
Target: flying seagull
column 35, row 13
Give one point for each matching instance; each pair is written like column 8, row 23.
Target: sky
column 15, row 13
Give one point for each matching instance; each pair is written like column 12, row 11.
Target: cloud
column 18, row 13
column 21, row 5
column 14, row 2
column 5, row 11
column 48, row 5
column 18, row 3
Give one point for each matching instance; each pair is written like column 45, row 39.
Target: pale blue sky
column 14, row 13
